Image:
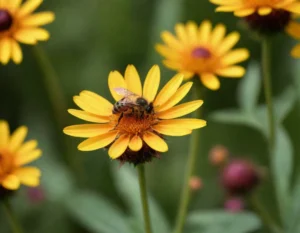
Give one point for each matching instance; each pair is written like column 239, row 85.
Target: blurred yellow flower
column 18, row 24
column 14, row 154
column 132, row 131
column 243, row 8
column 293, row 29
column 203, row 51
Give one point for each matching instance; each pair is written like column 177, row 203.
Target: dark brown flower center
column 6, row 20
column 201, row 52
column 269, row 24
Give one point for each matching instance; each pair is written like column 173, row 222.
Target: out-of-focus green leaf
column 127, row 185
column 96, row 213
column 293, row 224
column 232, row 116
column 282, row 160
column 249, row 88
column 218, row 221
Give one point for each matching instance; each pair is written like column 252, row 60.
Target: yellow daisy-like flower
column 266, row 16
column 14, row 154
column 293, row 29
column 18, row 24
column 133, row 128
column 243, row 8
column 203, row 51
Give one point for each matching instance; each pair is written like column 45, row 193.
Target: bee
column 131, row 103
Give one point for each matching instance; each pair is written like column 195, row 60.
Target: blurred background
column 88, row 40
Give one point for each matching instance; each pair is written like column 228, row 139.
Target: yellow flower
column 203, row 51
column 18, row 24
column 243, row 8
column 134, row 133
column 14, row 154
column 265, row 16
column 293, row 29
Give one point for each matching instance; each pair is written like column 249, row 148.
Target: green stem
column 190, row 167
column 15, row 226
column 266, row 69
column 59, row 105
column 264, row 215
column 144, row 199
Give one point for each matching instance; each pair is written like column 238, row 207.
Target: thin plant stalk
column 15, row 225
column 266, row 69
column 190, row 168
column 59, row 105
column 144, row 198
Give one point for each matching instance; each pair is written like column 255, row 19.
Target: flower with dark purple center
column 239, row 177
column 274, row 22
column 5, row 20
column 201, row 52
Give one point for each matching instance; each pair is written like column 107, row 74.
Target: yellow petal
column 29, row 176
column 210, row 81
column 231, row 72
column 204, row 31
column 24, row 36
column 4, row 133
column 38, row 19
column 133, row 80
column 88, row 116
column 228, row 43
column 167, row 52
column 93, row 103
column 227, row 8
column 192, row 31
column 293, row 7
column 5, row 50
column 155, row 142
column 28, row 7
column 17, row 138
column 180, row 110
column 296, row 51
column 16, row 52
column 171, row 41
column 293, row 29
column 217, row 34
column 235, row 56
column 181, row 33
column 98, row 142
column 173, row 65
column 87, row 130
column 151, row 83
column 39, row 33
column 119, row 146
column 168, row 90
column 11, row 182
column 264, row 11
column 188, row 123
column 187, row 75
column 24, row 158
column 177, row 97
column 244, row 12
column 135, row 143
column 171, row 131
column 27, row 147
column 115, row 80
column 14, row 4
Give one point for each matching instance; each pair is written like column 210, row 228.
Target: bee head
column 141, row 101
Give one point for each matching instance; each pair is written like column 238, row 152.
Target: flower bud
column 239, row 177
column 195, row 183
column 218, row 155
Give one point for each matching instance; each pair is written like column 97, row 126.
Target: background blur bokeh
column 89, row 39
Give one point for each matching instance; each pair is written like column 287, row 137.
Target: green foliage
column 217, row 221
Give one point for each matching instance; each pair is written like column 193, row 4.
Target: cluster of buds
column 238, row 177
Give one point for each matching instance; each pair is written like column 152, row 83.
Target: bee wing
column 123, row 91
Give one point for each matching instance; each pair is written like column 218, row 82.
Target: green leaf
column 127, row 185
column 219, row 221
column 232, row 116
column 96, row 213
column 293, row 224
column 249, row 88
column 282, row 161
